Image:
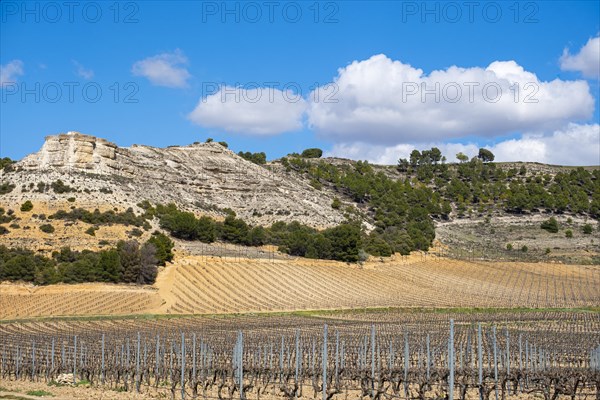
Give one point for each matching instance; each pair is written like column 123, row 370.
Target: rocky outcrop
column 74, row 150
column 203, row 177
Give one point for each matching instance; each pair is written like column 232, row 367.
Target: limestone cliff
column 203, row 177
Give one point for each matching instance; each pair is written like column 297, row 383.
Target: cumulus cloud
column 10, row 71
column 389, row 155
column 392, row 103
column 166, row 69
column 256, row 111
column 83, row 72
column 587, row 61
column 574, row 144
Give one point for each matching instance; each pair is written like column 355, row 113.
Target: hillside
column 207, row 285
column 203, row 178
column 87, row 194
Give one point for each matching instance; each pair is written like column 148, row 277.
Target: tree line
column 342, row 243
column 127, row 262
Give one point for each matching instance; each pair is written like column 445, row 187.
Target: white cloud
column 574, row 144
column 256, row 111
column 9, row 72
column 166, row 69
column 83, row 72
column 587, row 61
column 387, row 101
column 389, row 155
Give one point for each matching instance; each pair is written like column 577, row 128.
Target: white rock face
column 74, row 150
column 201, row 178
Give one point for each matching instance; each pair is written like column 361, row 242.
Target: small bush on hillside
column 27, row 206
column 550, row 225
column 569, row 233
column 47, row 228
column 59, row 187
column 136, row 232
column 6, row 188
column 336, row 203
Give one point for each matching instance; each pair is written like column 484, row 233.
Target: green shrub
column 524, row 249
column 71, row 199
column 91, row 230
column 136, row 232
column 59, row 187
column 41, row 187
column 6, row 218
column 224, row 144
column 312, row 153
column 96, row 217
column 550, row 225
column 6, row 187
column 336, row 203
column 509, row 246
column 27, row 206
column 569, row 233
column 47, row 228
column 6, row 164
column 3, row 230
column 587, row 229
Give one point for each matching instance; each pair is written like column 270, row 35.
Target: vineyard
column 224, row 285
column 376, row 355
column 221, row 286
column 406, row 328
column 83, row 299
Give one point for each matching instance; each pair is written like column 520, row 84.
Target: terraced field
column 206, row 285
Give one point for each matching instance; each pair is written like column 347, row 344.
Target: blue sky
column 249, row 73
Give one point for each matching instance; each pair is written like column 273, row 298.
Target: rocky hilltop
column 203, row 178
